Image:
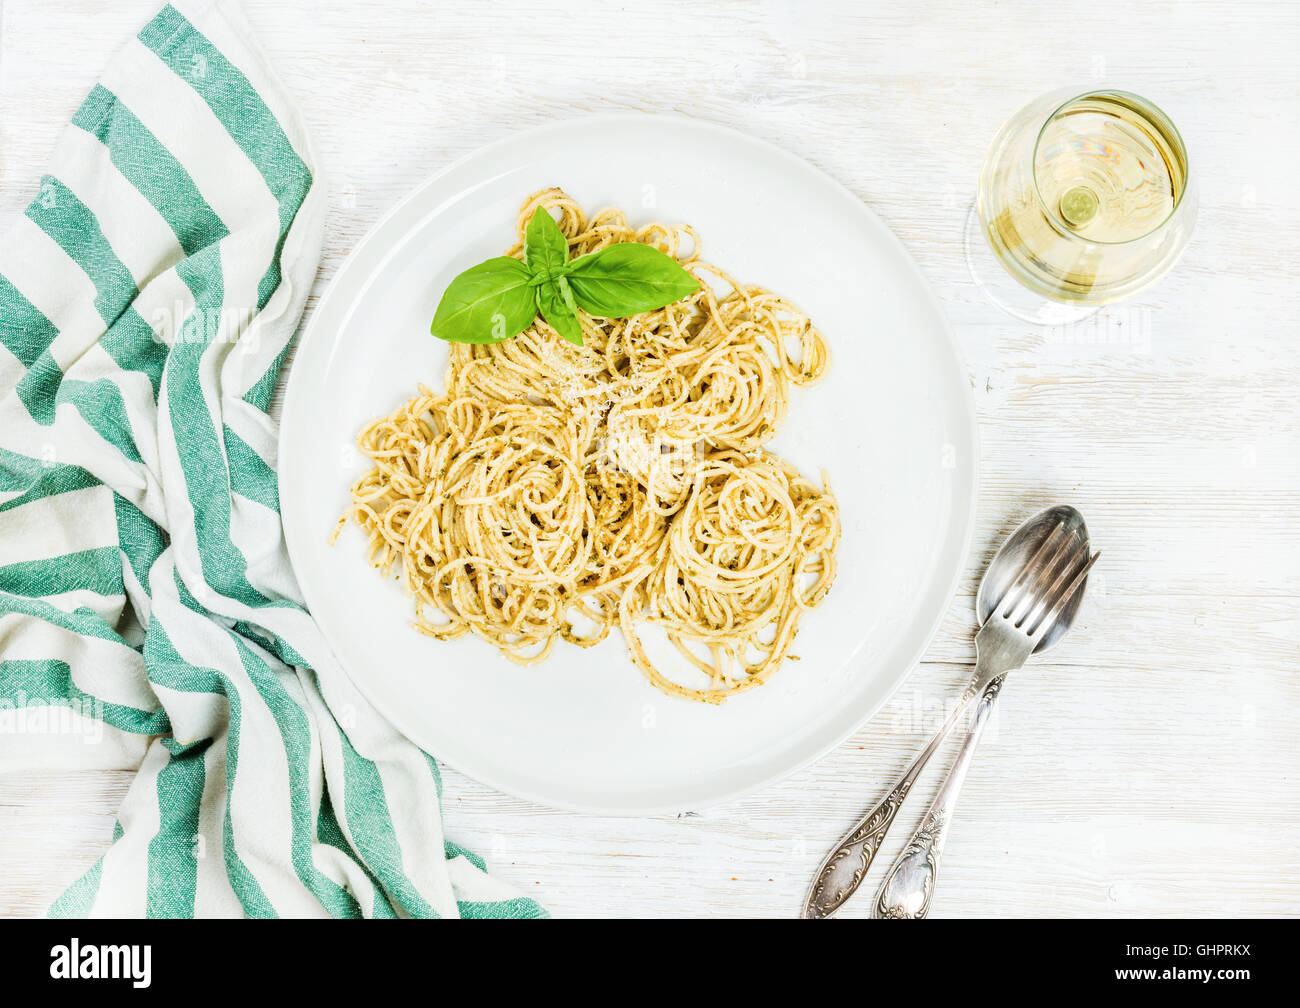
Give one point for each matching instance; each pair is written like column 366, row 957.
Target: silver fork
column 1010, row 634
column 1018, row 623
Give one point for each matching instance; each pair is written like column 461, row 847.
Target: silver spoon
column 908, row 889
column 1027, row 600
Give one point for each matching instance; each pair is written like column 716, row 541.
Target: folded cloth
column 148, row 614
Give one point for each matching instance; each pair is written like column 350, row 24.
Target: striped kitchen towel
column 148, row 615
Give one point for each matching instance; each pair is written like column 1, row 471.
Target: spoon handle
column 846, row 865
column 908, row 890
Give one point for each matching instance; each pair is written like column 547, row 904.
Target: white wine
column 1084, row 200
column 1107, row 170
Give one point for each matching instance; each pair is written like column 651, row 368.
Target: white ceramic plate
column 892, row 425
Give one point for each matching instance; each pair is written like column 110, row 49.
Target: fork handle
column 908, row 890
column 846, row 865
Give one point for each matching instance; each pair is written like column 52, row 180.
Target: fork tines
column 1047, row 582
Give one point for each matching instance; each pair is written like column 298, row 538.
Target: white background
column 1148, row 766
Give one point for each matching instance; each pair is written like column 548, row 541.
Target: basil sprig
column 498, row 299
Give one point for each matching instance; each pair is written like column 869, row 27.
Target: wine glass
column 1085, row 198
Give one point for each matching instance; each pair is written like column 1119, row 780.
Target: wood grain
column 1149, row 766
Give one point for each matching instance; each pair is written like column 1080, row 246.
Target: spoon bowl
column 1010, row 560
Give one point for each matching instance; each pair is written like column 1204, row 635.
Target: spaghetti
column 555, row 491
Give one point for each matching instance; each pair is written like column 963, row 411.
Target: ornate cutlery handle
column 908, row 889
column 846, row 865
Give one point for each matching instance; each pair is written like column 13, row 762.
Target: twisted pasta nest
column 752, row 549
column 488, row 510
column 556, row 490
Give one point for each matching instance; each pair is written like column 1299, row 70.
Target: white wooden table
column 1149, row 766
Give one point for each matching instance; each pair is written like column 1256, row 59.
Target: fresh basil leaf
column 546, row 249
column 486, row 304
column 627, row 279
column 555, row 302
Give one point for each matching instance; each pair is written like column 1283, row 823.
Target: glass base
column 1007, row 293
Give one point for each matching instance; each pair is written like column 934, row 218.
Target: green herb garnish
column 498, row 299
